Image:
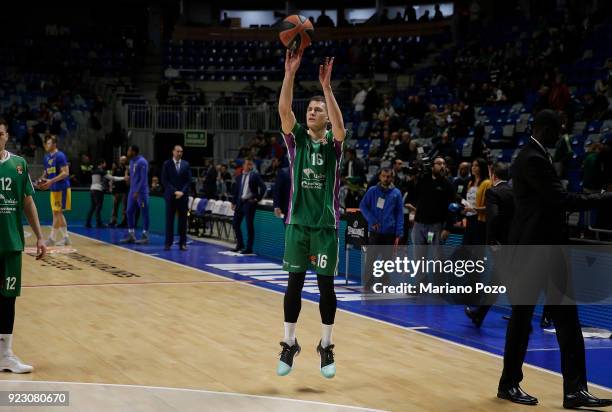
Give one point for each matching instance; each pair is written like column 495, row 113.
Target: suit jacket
column 541, row 200
column 500, row 212
column 256, row 186
column 175, row 180
column 282, row 187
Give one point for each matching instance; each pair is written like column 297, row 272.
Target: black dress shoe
column 237, row 249
column 584, row 398
column 183, row 248
column 167, row 247
column 473, row 315
column 246, row 252
column 517, row 395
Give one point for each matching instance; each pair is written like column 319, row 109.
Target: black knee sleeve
column 7, row 315
column 327, row 300
column 293, row 297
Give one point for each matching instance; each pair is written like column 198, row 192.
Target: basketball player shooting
column 311, row 237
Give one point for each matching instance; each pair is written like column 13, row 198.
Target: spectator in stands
column 226, row 22
column 461, row 181
column 383, row 209
column 324, row 20
column 559, row 94
column 354, row 168
column 475, row 211
column 371, row 102
column 437, row 13
column 398, row 171
column 390, row 151
column 564, row 153
column 479, row 148
column 402, row 150
column 398, row 18
column 96, row 192
column 248, row 191
column 271, row 171
column 387, row 111
column 384, row 17
column 425, row 17
column 359, row 100
column 275, row 149
column 445, row 148
column 282, row 189
column 434, row 193
column 30, row 142
column 592, row 169
column 410, row 15
column 429, row 127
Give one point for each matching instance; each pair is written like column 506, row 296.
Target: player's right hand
column 293, row 60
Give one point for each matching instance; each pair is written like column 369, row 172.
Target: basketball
column 296, row 32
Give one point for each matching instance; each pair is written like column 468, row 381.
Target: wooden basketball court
column 99, row 313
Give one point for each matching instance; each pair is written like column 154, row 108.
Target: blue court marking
column 446, row 322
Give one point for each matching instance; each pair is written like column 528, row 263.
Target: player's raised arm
column 333, row 110
column 292, row 63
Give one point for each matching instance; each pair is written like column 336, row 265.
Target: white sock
column 6, row 343
column 326, row 335
column 64, row 231
column 290, row 333
column 53, row 233
column 131, row 231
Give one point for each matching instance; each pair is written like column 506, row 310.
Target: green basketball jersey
column 15, row 185
column 315, row 179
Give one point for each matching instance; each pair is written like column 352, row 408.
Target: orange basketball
column 296, row 32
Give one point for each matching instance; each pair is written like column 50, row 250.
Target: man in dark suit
column 176, row 179
column 282, row 187
column 500, row 211
column 539, row 219
column 248, row 191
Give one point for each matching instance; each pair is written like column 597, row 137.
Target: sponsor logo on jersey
column 19, row 169
column 312, row 179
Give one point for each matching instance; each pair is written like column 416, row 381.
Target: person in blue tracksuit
column 383, row 208
column 138, row 198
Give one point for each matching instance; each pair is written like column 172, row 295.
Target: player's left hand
column 41, row 249
column 178, row 194
column 325, row 71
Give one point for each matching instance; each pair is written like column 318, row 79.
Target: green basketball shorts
column 316, row 246
column 10, row 274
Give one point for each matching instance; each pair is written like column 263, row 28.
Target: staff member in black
column 500, row 212
column 248, row 191
column 176, row 179
column 541, row 203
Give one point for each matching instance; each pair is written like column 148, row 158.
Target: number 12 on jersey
column 5, row 183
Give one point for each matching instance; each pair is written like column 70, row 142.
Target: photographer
column 434, row 193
